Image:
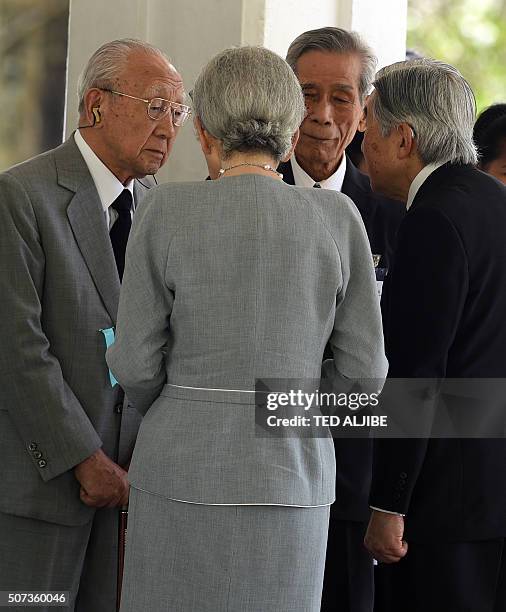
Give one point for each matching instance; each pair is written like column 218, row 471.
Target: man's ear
column 203, row 136
column 295, row 140
column 93, row 109
column 361, row 122
column 406, row 140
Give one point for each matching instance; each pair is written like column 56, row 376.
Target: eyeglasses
column 159, row 107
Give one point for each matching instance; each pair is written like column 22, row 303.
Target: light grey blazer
column 226, row 282
column 58, row 287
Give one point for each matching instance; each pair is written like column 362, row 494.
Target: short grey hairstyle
column 107, row 63
column 250, row 99
column 336, row 40
column 436, row 101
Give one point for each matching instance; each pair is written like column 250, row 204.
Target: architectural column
column 191, row 32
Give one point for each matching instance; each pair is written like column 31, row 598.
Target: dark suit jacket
column 444, row 309
column 381, row 218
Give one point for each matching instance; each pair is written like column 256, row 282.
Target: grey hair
column 107, row 63
column 336, row 40
column 436, row 101
column 250, row 99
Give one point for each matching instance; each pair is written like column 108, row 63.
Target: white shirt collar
column 419, row 180
column 334, row 182
column 108, row 186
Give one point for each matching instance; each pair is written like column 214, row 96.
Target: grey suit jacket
column 226, row 282
column 59, row 287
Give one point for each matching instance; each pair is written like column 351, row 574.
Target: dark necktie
column 317, row 185
column 121, row 228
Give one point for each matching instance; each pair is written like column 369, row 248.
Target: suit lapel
column 286, row 170
column 88, row 223
column 353, row 187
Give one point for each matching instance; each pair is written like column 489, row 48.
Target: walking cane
column 122, row 530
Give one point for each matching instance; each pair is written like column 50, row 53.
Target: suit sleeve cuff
column 386, row 511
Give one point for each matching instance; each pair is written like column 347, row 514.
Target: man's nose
column 321, row 111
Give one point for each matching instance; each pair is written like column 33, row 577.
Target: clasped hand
column 384, row 537
column 103, row 483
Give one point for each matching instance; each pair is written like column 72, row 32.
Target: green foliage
column 469, row 35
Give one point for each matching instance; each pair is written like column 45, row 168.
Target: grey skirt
column 183, row 557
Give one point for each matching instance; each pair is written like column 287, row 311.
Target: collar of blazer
column 443, row 177
column 86, row 217
column 357, row 187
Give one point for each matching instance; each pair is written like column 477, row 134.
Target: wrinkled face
column 497, row 167
column 379, row 153
column 330, row 82
column 134, row 144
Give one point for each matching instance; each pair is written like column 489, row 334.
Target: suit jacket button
column 118, row 408
column 37, row 454
column 42, row 463
column 32, row 446
column 403, row 475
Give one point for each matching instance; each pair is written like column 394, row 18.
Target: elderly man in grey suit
column 66, row 433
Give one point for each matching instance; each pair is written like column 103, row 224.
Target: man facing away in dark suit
column 440, row 504
column 66, row 433
column 335, row 68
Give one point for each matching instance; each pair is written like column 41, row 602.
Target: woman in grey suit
column 228, row 282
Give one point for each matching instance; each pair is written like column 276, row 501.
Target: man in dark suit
column 335, row 69
column 440, row 504
column 66, row 433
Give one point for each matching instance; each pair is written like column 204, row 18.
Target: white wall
column 193, row 31
column 286, row 19
column 383, row 25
